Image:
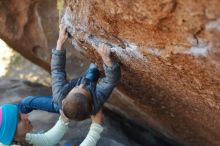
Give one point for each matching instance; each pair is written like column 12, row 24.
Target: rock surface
column 21, row 29
column 30, row 27
column 13, row 90
column 168, row 50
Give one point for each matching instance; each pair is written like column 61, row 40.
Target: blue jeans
column 31, row 103
column 92, row 73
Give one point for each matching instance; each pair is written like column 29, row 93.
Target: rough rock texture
column 20, row 28
column 12, row 90
column 169, row 53
column 168, row 50
column 30, row 27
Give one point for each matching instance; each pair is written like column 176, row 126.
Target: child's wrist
column 107, row 61
column 97, row 122
column 59, row 45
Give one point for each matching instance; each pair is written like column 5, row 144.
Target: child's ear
column 62, row 101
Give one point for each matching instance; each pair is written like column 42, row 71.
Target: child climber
column 82, row 97
column 79, row 97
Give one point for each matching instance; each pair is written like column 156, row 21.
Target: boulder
column 168, row 51
column 169, row 54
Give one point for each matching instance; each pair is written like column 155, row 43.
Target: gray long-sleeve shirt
column 100, row 92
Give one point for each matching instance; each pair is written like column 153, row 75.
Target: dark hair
column 77, row 106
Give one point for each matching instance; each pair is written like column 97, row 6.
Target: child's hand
column 63, row 35
column 63, row 117
column 98, row 118
column 105, row 52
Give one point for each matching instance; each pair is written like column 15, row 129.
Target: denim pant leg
column 44, row 103
column 92, row 73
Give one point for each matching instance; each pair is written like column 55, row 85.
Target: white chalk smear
column 131, row 50
column 199, row 51
column 154, row 51
column 214, row 24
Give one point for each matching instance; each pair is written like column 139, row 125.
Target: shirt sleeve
column 58, row 73
column 93, row 136
column 49, row 138
column 107, row 84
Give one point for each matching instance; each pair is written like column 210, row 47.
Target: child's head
column 77, row 104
